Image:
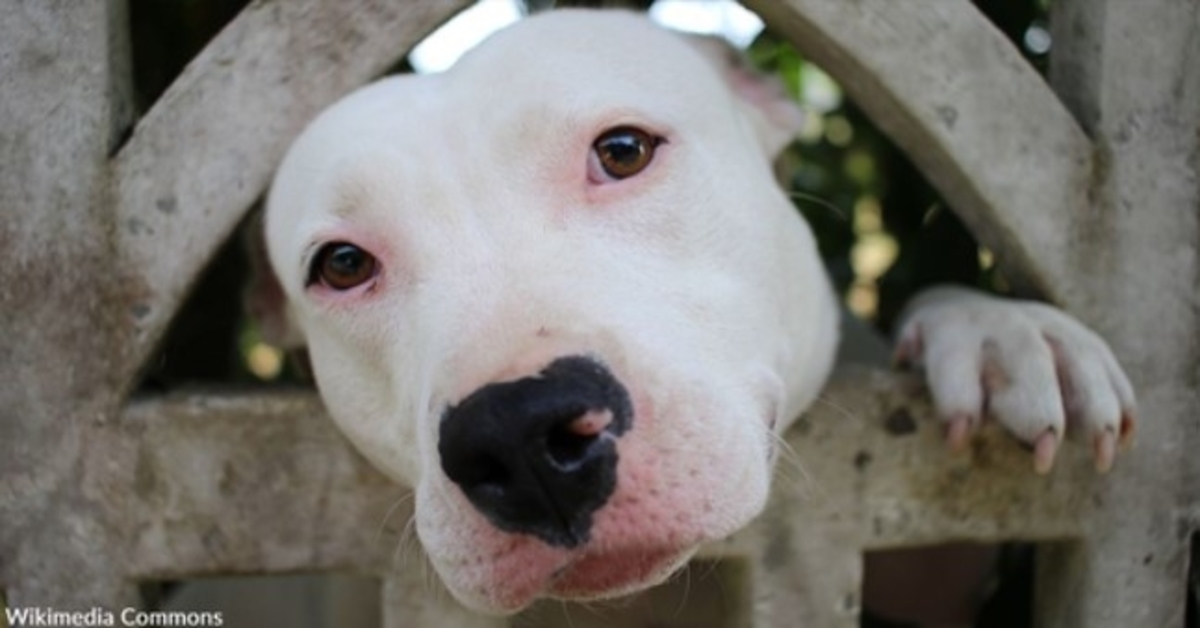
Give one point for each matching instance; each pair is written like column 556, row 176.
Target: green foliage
column 866, row 202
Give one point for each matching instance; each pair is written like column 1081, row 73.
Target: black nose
column 538, row 455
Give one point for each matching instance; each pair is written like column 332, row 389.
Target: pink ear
column 264, row 298
column 777, row 119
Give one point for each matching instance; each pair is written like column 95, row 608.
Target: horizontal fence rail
column 216, row 482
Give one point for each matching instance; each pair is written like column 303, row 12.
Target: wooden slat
column 64, row 99
column 208, row 148
column 251, row 483
column 977, row 120
column 1128, row 70
column 264, row 483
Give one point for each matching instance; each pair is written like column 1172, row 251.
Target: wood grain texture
column 208, row 148
column 971, row 113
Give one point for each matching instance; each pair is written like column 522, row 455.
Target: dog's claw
column 908, row 349
column 1045, row 447
column 1029, row 367
column 1128, row 428
column 958, row 432
column 1104, row 446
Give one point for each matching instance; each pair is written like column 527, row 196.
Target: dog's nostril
column 569, row 444
column 590, row 424
column 566, row 450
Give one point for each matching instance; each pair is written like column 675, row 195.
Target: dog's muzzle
column 539, row 455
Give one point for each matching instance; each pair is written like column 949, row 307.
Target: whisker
column 842, row 410
column 819, row 202
column 406, row 543
column 686, row 576
column 790, row 470
column 721, row 584
column 404, row 499
column 406, row 540
column 710, row 567
column 794, row 459
column 432, row 585
column 567, row 615
column 600, row 609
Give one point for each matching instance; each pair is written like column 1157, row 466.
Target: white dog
column 558, row 291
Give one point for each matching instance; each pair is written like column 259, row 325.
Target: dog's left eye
column 342, row 266
column 623, row 152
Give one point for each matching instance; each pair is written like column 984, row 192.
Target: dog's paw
column 1037, row 371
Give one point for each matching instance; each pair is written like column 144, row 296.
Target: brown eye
column 624, row 151
column 342, row 266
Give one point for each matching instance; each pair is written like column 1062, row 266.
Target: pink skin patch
column 590, row 424
column 591, row 575
column 633, row 544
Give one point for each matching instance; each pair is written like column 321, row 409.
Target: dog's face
column 558, row 292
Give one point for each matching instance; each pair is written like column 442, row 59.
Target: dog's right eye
column 621, row 153
column 342, row 266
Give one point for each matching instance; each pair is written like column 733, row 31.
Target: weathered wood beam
column 207, row 149
column 264, row 483
column 64, row 80
column 976, row 119
column 252, row 483
column 1128, row 72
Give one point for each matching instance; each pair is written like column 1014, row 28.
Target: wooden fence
column 1088, row 186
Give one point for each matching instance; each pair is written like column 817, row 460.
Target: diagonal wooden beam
column 207, row 149
column 977, row 120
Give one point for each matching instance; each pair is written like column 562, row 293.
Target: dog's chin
column 610, row 575
column 582, row 576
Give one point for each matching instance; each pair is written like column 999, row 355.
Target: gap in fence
column 213, row 339
column 298, row 601
column 1192, row 613
column 1006, row 598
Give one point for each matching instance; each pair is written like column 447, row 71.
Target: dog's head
column 558, row 292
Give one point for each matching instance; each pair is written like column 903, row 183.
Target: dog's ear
column 777, row 119
column 264, row 298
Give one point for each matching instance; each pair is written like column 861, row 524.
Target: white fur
column 696, row 282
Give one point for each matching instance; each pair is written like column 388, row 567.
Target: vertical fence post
column 64, row 68
column 1128, row 72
